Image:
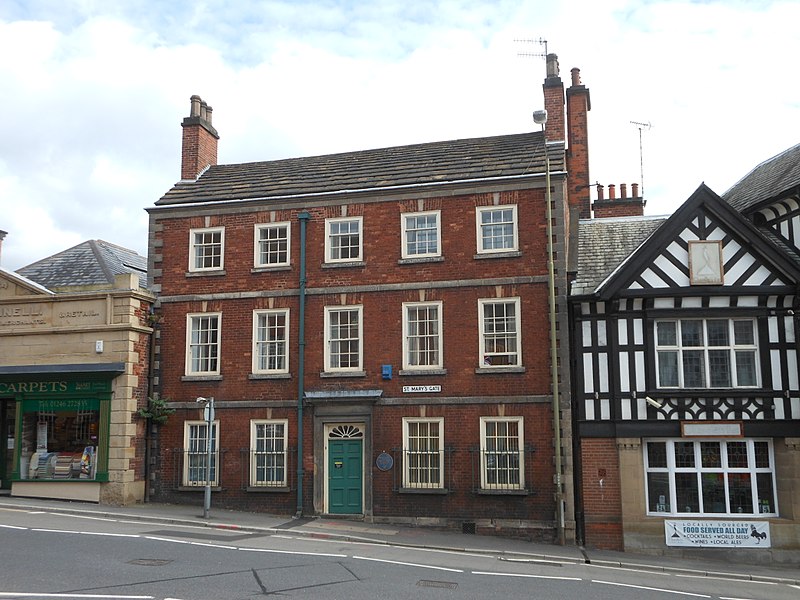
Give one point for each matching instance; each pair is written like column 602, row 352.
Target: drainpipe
column 559, row 495
column 301, row 367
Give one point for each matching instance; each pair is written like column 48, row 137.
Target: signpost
column 208, row 415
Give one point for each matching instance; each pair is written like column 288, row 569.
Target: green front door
column 8, row 423
column 345, row 469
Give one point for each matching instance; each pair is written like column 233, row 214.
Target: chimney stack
column 578, row 106
column 553, row 101
column 199, row 148
column 618, row 207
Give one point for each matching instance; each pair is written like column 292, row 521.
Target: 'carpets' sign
column 717, row 534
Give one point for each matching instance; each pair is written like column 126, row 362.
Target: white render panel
column 586, row 333
column 748, row 301
column 639, row 360
column 664, row 303
column 638, row 331
column 653, row 280
column 602, row 362
column 588, row 373
column 730, row 249
column 738, row 269
column 772, row 327
column 635, row 286
column 622, row 332
column 788, row 324
column 588, row 406
column 671, row 271
column 692, row 302
column 796, row 231
column 717, row 234
column 760, row 276
column 775, row 363
column 624, row 374
column 625, row 404
column 795, row 406
column 602, row 338
column 605, row 409
column 679, row 252
column 791, row 364
column 689, row 235
column 780, row 415
column 719, row 301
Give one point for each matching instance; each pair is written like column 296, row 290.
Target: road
column 51, row 555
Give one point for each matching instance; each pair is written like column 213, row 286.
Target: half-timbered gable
column 684, row 348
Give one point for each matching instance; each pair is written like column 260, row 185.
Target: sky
column 93, row 93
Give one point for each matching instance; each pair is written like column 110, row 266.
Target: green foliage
column 156, row 411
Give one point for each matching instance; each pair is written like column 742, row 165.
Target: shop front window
column 60, row 443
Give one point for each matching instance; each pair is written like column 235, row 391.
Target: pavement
column 412, row 537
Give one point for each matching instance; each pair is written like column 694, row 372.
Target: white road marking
column 724, row 579
column 43, row 595
column 163, row 539
column 652, row 589
column 407, row 564
column 729, row 598
column 561, row 578
column 12, row 527
column 292, row 552
column 124, row 535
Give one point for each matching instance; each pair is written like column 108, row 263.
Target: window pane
column 668, row 368
column 740, row 492
column 691, row 333
column 657, row 455
column 717, row 332
column 497, row 229
column 421, row 235
column 766, row 493
column 710, row 455
column 719, row 368
column 737, row 455
column 743, row 333
column 658, row 492
column 746, row 367
column 684, row 454
column 694, row 368
column 762, row 455
column 714, row 493
column 667, row 333
column 686, row 492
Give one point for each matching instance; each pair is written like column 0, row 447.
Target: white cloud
column 94, row 93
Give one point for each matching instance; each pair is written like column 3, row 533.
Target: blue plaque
column 384, row 462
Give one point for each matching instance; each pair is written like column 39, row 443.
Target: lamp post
column 540, row 118
column 208, row 414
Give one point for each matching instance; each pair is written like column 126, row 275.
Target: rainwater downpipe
column 559, row 496
column 301, row 363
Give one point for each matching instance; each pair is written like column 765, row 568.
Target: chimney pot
column 612, row 191
column 576, row 76
column 552, row 65
column 600, row 193
column 209, row 110
column 195, row 107
column 623, row 190
column 634, row 190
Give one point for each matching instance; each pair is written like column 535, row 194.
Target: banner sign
column 717, row 534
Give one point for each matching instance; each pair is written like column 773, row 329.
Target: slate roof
column 92, row 263
column 767, row 182
column 416, row 164
column 604, row 244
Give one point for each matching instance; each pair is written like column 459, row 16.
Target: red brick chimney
column 199, row 149
column 553, row 101
column 623, row 206
column 578, row 106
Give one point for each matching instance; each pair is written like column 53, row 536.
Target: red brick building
column 374, row 327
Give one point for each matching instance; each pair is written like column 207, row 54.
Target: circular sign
column 384, row 461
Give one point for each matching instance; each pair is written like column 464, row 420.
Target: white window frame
column 407, row 341
column 195, row 453
column 259, row 244
column 732, row 348
column 484, row 356
column 428, row 463
column 670, row 506
column 329, row 235
column 358, row 309
column 405, row 233
column 258, row 343
column 279, row 451
column 489, row 456
column 479, row 228
column 194, row 247
column 190, row 345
